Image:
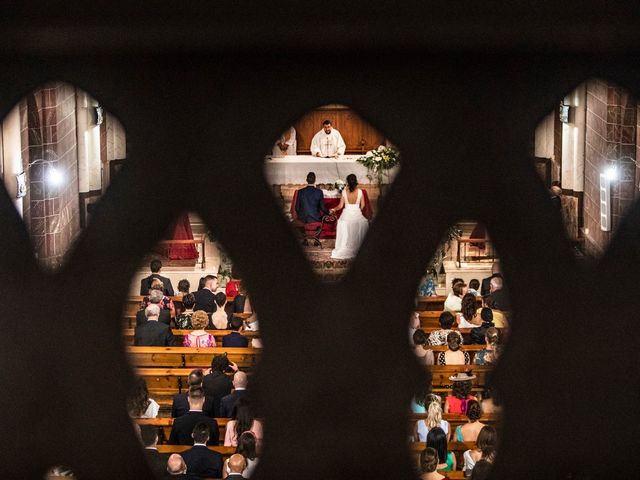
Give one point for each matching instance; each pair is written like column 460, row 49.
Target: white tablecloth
column 293, row 169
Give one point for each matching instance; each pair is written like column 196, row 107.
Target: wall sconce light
column 564, row 113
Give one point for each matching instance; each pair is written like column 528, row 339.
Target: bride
column 352, row 224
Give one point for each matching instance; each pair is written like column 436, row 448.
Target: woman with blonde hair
column 199, row 337
column 434, row 419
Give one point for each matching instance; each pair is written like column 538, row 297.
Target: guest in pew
column 481, row 470
column 153, row 333
column 157, row 461
column 202, row 462
column 183, row 426
column 421, row 349
column 439, row 337
column 217, row 384
column 165, row 303
column 243, row 421
column 235, row 339
column 205, row 298
column 232, row 289
column 176, row 467
column 155, row 298
column 220, row 318
column 228, row 402
column 145, row 283
column 423, row 399
column 477, row 335
column 498, row 298
column 485, row 449
column 437, row 439
column 474, row 287
column 236, row 464
column 429, row 462
column 489, row 355
column 460, row 393
column 434, row 419
column 247, row 447
column 453, row 355
column 453, row 303
column 469, row 431
column 489, row 402
column 250, row 322
column 199, row 338
column 180, row 404
column 139, row 405
column 183, row 287
column 183, row 321
column 486, row 282
column 414, row 324
column 469, row 317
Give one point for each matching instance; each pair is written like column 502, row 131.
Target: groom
column 310, row 202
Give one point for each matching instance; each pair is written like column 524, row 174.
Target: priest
column 328, row 142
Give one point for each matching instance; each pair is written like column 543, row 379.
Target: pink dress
column 230, row 438
column 200, row 340
column 457, row 405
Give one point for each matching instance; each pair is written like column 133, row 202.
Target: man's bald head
column 240, row 380
column 496, row 283
column 237, row 463
column 176, row 465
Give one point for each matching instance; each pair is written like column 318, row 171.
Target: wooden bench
column 436, row 302
column 132, row 304
column 245, row 358
column 164, row 425
column 226, row 452
column 179, row 334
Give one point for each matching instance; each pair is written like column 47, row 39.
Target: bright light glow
column 55, row 176
column 611, row 173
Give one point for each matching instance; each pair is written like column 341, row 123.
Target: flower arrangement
column 379, row 162
column 339, row 185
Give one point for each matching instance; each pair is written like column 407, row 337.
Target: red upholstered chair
column 313, row 230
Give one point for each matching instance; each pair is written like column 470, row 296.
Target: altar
column 293, row 169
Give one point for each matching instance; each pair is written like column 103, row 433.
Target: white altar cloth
column 293, row 169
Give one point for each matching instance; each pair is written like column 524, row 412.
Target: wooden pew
column 179, row 334
column 245, row 358
column 436, row 303
column 132, row 304
column 164, row 425
column 226, row 452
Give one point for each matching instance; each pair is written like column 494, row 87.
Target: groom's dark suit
column 309, row 204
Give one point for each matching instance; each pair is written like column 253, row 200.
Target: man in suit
column 202, row 462
column 145, row 283
column 235, row 339
column 228, row 402
column 486, row 282
column 155, row 297
column 180, row 404
column 217, row 385
column 153, row 333
column 310, row 202
column 236, row 464
column 498, row 298
column 176, row 467
column 157, row 461
column 206, row 297
column 183, row 426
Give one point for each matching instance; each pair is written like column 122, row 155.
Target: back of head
column 156, row 284
column 235, row 323
column 156, row 296
column 209, row 281
column 481, row 470
column 486, row 314
column 199, row 320
column 492, row 336
column 437, row 439
column 496, row 283
column 352, row 182
column 474, row 412
column 219, row 363
column 195, row 395
column 221, row 299
column 195, row 377
column 474, row 283
column 446, row 320
column 429, row 460
column 188, row 300
column 458, row 288
column 176, row 465
column 311, row 178
column 453, row 341
column 138, row 398
column 247, row 445
column 487, row 441
column 237, row 463
column 419, row 337
column 456, row 280
column 148, row 435
column 201, row 283
column 155, row 266
column 184, row 286
column 201, row 433
column 152, row 310
column 240, row 379
column 434, row 414
column 468, row 307
column 461, row 389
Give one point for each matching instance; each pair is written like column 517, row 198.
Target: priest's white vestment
column 327, row 145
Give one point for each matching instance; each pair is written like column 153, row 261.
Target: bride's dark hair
column 352, row 182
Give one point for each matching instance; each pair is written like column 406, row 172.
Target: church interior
column 388, row 269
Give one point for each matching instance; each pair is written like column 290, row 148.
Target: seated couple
column 352, row 224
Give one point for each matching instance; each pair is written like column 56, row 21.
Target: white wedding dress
column 351, row 230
